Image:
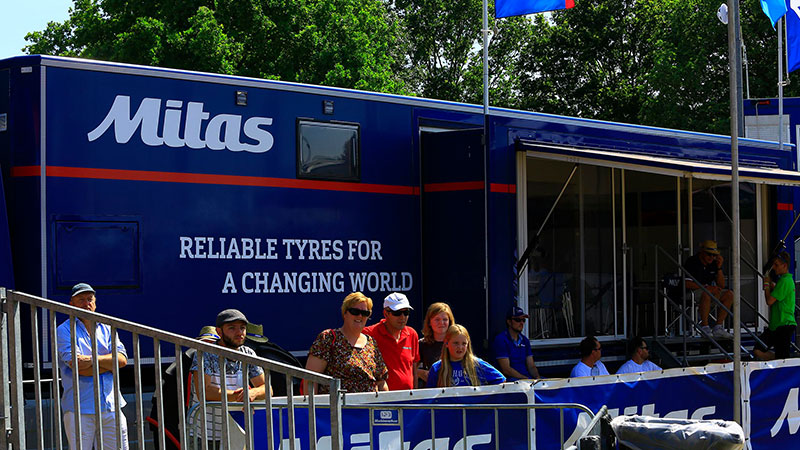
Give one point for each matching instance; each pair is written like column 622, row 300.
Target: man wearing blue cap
column 512, row 349
column 83, row 296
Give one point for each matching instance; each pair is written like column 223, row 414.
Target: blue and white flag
column 508, row 8
column 793, row 34
column 774, row 9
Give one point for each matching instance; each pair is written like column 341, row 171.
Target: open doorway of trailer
column 453, row 225
column 609, row 235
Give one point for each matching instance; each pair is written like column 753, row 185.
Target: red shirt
column 399, row 355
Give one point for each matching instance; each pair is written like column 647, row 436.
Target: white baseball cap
column 396, row 301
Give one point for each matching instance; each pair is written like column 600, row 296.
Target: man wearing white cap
column 398, row 343
column 83, row 297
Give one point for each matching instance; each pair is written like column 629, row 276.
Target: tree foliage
column 444, row 50
column 347, row 43
column 653, row 62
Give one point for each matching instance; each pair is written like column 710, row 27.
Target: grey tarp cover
column 649, row 433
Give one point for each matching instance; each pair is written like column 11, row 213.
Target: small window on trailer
column 328, row 151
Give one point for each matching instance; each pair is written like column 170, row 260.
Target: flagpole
column 780, row 83
column 735, row 98
column 486, row 165
column 485, row 30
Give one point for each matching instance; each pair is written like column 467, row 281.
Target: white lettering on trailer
column 790, row 414
column 364, row 250
column 223, row 131
column 230, row 286
column 292, row 282
column 206, row 247
column 373, row 281
column 307, row 250
column 314, row 249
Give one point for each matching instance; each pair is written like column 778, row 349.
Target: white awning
column 660, row 164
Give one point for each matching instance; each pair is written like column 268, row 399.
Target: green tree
column 444, row 50
column 346, row 43
column 653, row 62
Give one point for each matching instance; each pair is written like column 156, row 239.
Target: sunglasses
column 518, row 319
column 361, row 312
column 403, row 312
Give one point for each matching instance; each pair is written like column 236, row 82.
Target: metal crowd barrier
column 12, row 404
column 591, row 429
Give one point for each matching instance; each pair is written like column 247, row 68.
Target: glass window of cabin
column 571, row 271
column 712, row 220
column 328, row 151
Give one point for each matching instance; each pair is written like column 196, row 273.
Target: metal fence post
column 15, row 373
column 337, row 442
column 5, row 394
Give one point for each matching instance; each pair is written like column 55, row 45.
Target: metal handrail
column 763, row 277
column 748, row 263
column 592, row 425
column 686, row 275
column 10, row 329
column 682, row 311
column 144, row 330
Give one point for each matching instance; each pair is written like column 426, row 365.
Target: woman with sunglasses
column 348, row 354
column 437, row 320
column 459, row 366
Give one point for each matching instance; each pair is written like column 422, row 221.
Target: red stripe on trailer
column 503, row 188
column 785, row 207
column 205, row 178
column 458, row 186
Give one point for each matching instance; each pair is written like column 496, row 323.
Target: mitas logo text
column 223, row 131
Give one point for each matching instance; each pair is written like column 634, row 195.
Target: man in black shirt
column 706, row 268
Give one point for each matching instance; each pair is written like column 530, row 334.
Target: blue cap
column 80, row 288
column 516, row 311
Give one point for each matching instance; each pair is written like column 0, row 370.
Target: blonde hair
column 468, row 363
column 355, row 298
column 434, row 310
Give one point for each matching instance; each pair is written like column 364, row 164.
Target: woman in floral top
column 347, row 354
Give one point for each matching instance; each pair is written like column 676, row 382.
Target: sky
column 19, row 17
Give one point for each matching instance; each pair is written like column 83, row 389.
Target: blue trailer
column 177, row 194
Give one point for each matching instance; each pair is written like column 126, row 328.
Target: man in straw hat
column 706, row 267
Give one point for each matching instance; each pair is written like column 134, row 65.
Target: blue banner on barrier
column 774, row 407
column 448, row 425
column 690, row 395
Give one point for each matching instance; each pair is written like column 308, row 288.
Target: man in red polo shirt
column 398, row 343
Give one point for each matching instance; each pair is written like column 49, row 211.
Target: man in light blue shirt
column 640, row 354
column 590, row 364
column 83, row 296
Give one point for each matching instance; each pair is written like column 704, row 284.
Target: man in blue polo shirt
column 83, row 297
column 513, row 350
